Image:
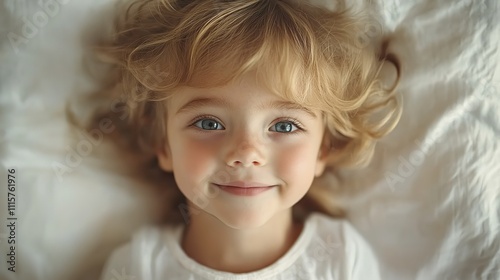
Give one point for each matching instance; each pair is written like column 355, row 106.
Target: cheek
column 296, row 163
column 192, row 160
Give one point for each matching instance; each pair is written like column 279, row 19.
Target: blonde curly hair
column 300, row 52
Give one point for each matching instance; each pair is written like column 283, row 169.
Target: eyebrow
column 219, row 102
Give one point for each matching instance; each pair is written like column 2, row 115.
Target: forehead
column 236, row 95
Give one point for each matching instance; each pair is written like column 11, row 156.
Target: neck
column 211, row 243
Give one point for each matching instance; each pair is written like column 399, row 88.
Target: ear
column 165, row 158
column 323, row 154
column 320, row 164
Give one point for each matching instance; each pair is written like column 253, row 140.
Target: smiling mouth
column 244, row 191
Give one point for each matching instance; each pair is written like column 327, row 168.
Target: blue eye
column 287, row 126
column 208, row 124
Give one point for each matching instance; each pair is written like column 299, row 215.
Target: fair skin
column 240, row 141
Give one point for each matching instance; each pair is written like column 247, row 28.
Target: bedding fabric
column 429, row 203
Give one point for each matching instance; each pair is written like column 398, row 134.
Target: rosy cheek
column 193, row 159
column 295, row 162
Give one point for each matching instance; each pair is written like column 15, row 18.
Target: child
column 246, row 104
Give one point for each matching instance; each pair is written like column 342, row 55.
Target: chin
column 244, row 221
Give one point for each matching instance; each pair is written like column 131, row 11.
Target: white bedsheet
column 429, row 203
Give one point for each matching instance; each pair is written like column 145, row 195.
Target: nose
column 246, row 152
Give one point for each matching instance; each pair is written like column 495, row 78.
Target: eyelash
column 300, row 127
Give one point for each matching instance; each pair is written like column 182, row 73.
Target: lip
column 244, row 191
column 244, row 184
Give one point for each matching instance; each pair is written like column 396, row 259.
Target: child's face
column 239, row 141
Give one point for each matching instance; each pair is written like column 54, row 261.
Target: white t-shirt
column 326, row 249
